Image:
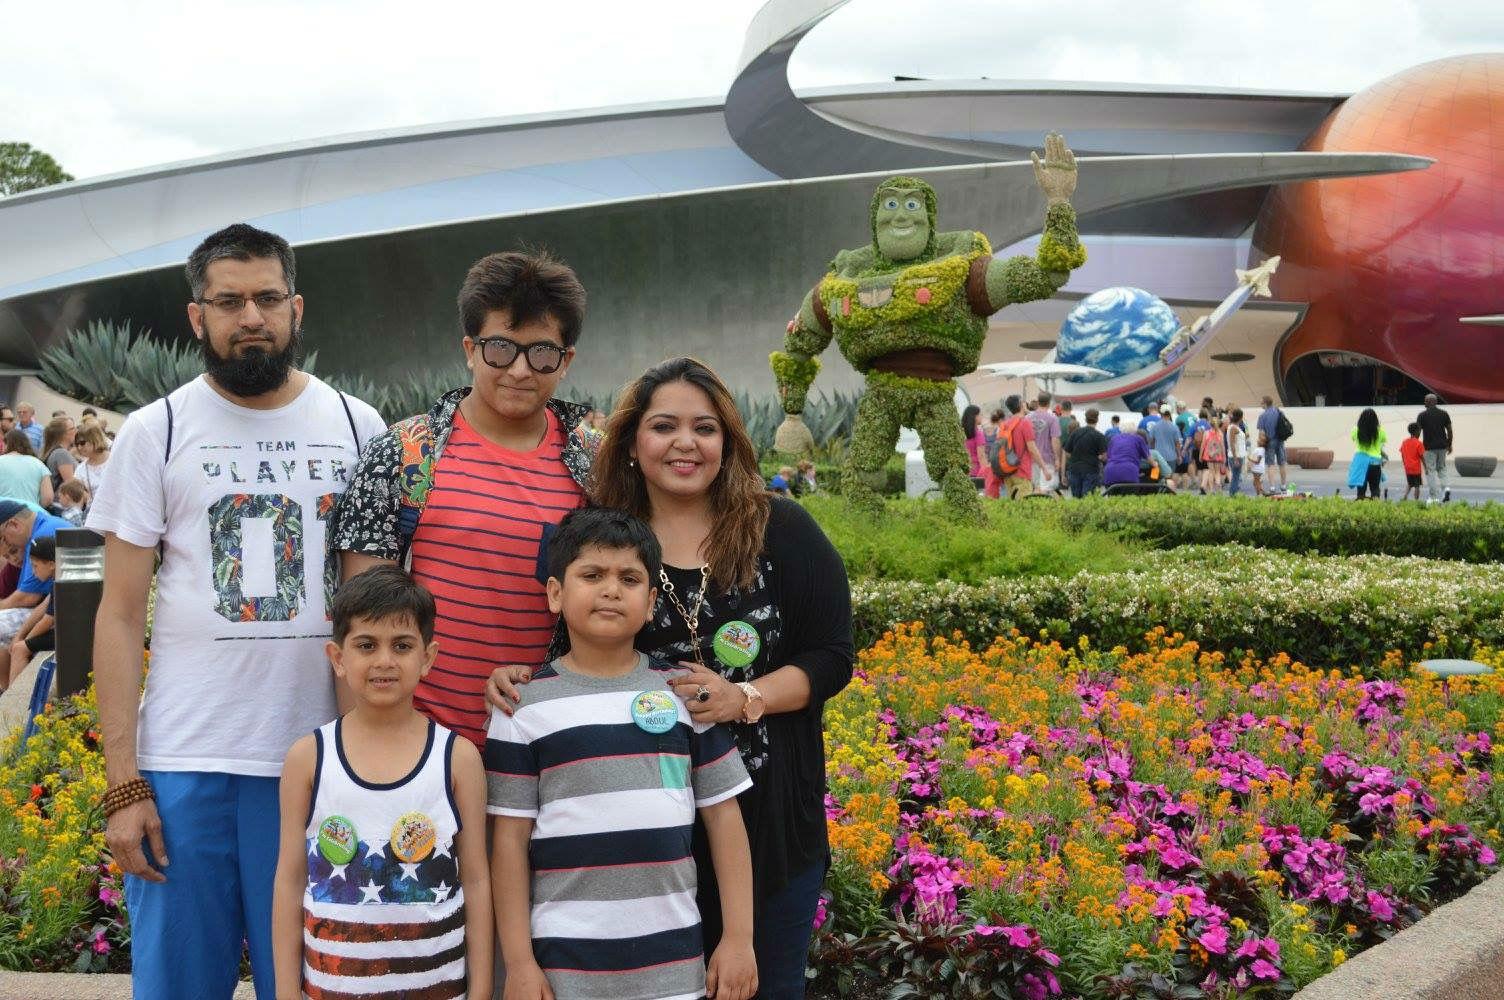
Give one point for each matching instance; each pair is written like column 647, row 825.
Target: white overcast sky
column 106, row 85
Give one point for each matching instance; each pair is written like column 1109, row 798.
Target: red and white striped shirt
column 476, row 548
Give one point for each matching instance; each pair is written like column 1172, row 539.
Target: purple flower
column 1214, row 940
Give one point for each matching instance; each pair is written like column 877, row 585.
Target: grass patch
column 918, row 540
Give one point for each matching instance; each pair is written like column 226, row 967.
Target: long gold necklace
column 691, row 619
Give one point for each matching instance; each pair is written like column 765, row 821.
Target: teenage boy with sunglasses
column 466, row 494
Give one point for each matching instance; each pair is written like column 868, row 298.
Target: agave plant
column 416, row 392
column 831, row 416
column 87, row 363
column 761, row 418
column 596, row 401
column 361, row 387
column 153, row 370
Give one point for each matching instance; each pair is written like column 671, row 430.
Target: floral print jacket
column 379, row 511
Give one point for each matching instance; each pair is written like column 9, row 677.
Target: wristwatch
column 755, row 706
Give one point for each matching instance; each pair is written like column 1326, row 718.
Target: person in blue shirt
column 1274, row 452
column 27, row 424
column 20, row 525
column 36, row 633
column 1114, row 430
column 1164, row 437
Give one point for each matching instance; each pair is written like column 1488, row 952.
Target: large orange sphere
column 1391, row 264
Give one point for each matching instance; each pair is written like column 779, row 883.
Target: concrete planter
column 1475, row 466
column 1317, row 458
column 1455, row 953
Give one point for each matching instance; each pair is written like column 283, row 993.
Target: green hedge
column 1327, row 526
column 1322, row 610
column 920, row 540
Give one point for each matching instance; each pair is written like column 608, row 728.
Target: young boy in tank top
column 382, row 888
column 595, row 782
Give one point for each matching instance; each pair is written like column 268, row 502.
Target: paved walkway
column 60, row 986
column 1325, row 482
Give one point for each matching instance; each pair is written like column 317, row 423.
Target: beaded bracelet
column 127, row 793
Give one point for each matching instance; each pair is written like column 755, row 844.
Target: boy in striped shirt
column 594, row 783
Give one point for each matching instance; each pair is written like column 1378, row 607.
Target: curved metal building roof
column 696, row 225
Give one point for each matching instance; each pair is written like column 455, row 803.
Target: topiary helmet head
column 903, row 220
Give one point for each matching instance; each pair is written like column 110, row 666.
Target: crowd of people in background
column 49, row 475
column 1038, row 446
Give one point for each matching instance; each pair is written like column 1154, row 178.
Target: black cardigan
column 804, row 580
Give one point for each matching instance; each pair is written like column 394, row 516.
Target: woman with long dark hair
column 753, row 601
column 976, row 441
column 1368, row 459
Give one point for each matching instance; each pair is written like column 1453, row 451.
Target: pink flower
column 1264, row 970
column 1019, row 936
column 101, row 946
column 1380, row 907
column 109, row 896
column 1214, row 940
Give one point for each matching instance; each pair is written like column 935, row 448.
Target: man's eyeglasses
column 234, row 305
column 542, row 357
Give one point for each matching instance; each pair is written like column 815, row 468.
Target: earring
column 631, row 463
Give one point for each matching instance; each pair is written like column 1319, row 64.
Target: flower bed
column 1032, row 820
column 1324, row 610
column 61, row 906
column 1327, row 526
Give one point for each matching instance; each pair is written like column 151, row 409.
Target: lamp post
column 78, row 588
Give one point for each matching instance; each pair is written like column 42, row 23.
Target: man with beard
column 232, row 478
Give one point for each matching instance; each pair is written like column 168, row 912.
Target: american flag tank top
column 383, row 911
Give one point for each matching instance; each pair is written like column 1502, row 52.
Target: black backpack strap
column 345, row 402
column 167, row 453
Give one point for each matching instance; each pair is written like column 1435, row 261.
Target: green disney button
column 337, row 840
column 655, row 711
column 736, row 644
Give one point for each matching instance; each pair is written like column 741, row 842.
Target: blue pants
column 222, row 833
column 1235, row 466
column 780, row 937
column 1083, row 482
column 782, row 927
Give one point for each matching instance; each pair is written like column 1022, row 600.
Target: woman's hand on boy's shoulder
column 724, row 701
column 501, row 687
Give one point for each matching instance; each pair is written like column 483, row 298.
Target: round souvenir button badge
column 655, row 711
column 736, row 644
column 413, row 837
column 337, row 840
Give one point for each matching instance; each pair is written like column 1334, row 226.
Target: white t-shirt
column 1256, row 460
column 92, row 476
column 237, row 649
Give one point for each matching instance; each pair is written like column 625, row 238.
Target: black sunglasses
column 542, row 357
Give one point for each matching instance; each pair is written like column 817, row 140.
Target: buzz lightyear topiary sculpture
column 910, row 312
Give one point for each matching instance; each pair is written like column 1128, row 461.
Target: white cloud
column 110, row 86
